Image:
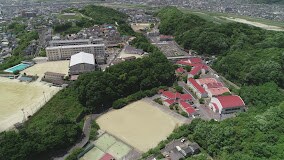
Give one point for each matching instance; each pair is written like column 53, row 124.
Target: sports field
column 137, row 26
column 139, row 124
column 52, row 66
column 17, row 95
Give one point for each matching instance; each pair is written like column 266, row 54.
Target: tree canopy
column 246, row 54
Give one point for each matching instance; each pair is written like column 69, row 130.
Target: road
column 86, row 134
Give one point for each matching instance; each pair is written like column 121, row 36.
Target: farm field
column 52, row 66
column 17, row 95
column 139, row 124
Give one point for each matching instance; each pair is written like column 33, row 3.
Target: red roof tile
column 180, row 70
column 231, row 101
column 218, row 91
column 215, row 85
column 185, row 97
column 107, row 156
column 171, row 95
column 195, row 60
column 196, row 85
column 184, row 62
column 170, row 101
column 189, row 109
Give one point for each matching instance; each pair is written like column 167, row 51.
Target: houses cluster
column 107, row 32
column 138, row 15
column 178, row 149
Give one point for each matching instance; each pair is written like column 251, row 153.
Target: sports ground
column 16, row 95
column 139, row 124
column 52, row 66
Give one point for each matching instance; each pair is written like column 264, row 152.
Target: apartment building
column 65, row 52
column 56, row 43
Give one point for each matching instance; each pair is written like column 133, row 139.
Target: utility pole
column 44, row 96
column 24, row 115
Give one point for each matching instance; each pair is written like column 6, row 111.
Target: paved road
column 86, row 133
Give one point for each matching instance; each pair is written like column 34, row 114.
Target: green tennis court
column 105, row 142
column 93, row 154
column 119, row 150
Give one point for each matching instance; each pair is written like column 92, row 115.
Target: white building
column 82, row 62
column 65, row 52
column 227, row 104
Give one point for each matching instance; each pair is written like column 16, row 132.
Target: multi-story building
column 56, row 43
column 65, row 52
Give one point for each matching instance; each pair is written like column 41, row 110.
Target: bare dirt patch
column 16, row 96
column 139, row 124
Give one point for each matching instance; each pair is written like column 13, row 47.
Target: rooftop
column 218, row 91
column 82, row 57
column 76, row 46
column 231, row 101
column 54, row 74
column 206, row 80
column 196, row 85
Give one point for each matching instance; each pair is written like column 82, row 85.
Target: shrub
column 159, row 101
column 119, row 103
column 184, row 114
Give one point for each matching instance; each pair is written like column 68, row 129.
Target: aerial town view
column 141, row 80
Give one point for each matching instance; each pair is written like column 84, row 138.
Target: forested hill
column 251, row 57
column 247, row 55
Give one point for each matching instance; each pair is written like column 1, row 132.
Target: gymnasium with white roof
column 82, row 62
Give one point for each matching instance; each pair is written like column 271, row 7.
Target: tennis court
column 107, row 144
column 119, row 150
column 93, row 154
column 105, row 141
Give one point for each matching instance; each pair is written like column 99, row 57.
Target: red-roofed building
column 203, row 81
column 184, row 62
column 169, row 95
column 227, row 104
column 213, row 92
column 107, row 156
column 197, row 89
column 213, row 85
column 170, row 98
column 169, row 102
column 198, row 69
column 188, row 109
column 195, row 60
column 180, row 71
